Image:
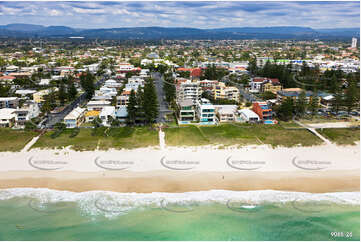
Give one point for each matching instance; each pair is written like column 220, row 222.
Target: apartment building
column 271, row 85
column 189, row 90
column 207, row 84
column 293, row 93
column 9, row 102
column 262, row 84
column 221, row 91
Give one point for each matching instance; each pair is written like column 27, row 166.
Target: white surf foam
column 106, row 202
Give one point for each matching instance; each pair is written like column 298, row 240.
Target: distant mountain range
column 150, row 33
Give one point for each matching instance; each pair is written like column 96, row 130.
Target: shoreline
column 318, row 169
column 175, row 182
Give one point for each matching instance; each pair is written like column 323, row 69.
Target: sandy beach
column 318, row 169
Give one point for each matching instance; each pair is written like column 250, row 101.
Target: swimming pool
column 269, row 122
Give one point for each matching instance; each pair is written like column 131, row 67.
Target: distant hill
column 146, row 33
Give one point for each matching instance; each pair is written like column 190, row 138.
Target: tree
column 300, row 106
column 268, row 95
column 333, row 84
column 4, row 90
column 49, row 102
column 132, row 108
column 286, row 109
column 30, row 126
column 87, row 83
column 169, row 89
column 62, row 93
column 97, row 122
column 351, row 96
column 313, row 105
column 140, row 103
column 252, row 67
column 337, row 101
column 72, row 91
column 150, row 102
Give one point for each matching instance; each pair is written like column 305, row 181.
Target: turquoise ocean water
column 41, row 214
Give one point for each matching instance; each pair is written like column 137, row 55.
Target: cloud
column 214, row 14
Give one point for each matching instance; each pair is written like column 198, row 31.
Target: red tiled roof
column 258, row 79
column 275, row 80
column 184, row 69
column 7, row 77
column 196, row 72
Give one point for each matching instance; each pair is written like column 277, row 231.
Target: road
column 54, row 118
column 163, row 106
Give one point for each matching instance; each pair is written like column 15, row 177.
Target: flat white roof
column 25, row 92
column 106, row 111
column 8, row 98
column 248, row 113
column 75, row 113
column 7, row 113
column 98, row 103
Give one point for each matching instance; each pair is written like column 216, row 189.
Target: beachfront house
column 91, row 115
column 7, row 117
column 28, row 111
column 205, row 111
column 263, row 110
column 121, row 114
column 248, row 115
column 186, row 111
column 226, row 113
column 107, row 115
column 75, row 118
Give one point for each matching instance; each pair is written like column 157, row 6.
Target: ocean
column 43, row 214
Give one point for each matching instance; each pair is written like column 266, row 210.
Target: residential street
column 163, row 106
column 58, row 117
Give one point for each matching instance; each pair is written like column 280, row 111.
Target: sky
column 214, row 14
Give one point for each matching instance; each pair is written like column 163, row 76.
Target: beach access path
column 313, row 130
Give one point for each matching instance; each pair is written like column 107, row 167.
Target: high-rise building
column 354, row 43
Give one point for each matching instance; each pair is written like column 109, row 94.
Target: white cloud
column 194, row 14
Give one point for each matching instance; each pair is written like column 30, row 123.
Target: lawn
column 342, row 136
column 15, row 140
column 321, row 119
column 104, row 138
column 289, row 124
column 239, row 134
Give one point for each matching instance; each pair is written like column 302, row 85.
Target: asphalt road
column 58, row 117
column 163, row 106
